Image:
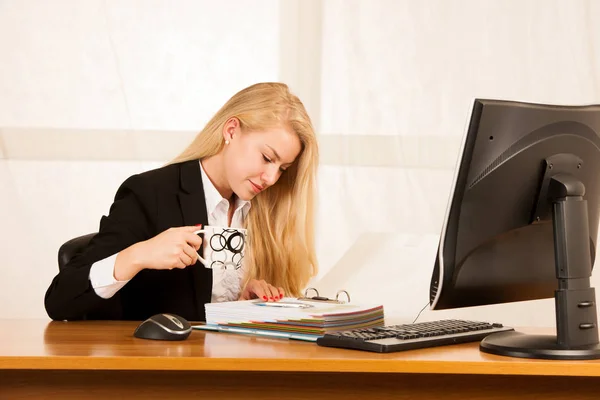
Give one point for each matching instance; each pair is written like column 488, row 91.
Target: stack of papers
column 290, row 318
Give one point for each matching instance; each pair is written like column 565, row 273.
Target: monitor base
column 516, row 344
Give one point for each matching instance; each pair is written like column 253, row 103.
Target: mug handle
column 202, row 260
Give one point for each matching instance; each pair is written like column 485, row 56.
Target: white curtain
column 398, row 81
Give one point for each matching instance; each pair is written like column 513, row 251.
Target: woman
column 253, row 166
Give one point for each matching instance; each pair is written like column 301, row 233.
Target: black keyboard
column 391, row 338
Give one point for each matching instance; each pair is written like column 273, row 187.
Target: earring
column 227, row 142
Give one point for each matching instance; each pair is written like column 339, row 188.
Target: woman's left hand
column 260, row 289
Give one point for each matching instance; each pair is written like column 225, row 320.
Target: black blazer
column 145, row 205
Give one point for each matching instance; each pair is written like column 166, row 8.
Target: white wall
column 93, row 91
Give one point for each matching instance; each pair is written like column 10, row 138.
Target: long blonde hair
column 280, row 222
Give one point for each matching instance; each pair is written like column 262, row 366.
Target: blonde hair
column 280, row 221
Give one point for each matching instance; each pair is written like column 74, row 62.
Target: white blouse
column 226, row 282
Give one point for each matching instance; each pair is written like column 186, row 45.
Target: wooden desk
column 78, row 360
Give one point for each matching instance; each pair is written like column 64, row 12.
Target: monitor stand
column 576, row 319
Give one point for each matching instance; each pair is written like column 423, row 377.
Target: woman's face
column 254, row 160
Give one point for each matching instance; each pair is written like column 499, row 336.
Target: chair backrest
column 72, row 247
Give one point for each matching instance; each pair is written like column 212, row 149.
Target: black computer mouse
column 164, row 327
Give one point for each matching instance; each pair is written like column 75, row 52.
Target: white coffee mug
column 223, row 247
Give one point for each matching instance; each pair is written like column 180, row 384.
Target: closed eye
column 268, row 160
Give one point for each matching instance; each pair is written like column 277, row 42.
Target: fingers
column 175, row 247
column 193, row 240
column 260, row 289
column 267, row 292
column 192, row 229
column 273, row 293
column 188, row 228
column 277, row 292
column 270, row 292
column 191, row 253
column 185, row 259
column 179, row 264
column 187, row 256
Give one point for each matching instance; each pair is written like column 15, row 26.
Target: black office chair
column 72, row 247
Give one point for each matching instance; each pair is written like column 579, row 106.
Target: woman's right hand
column 173, row 248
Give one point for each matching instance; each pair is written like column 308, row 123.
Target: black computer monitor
column 522, row 223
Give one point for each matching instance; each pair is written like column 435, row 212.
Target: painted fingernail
column 198, row 224
column 264, row 297
column 281, row 296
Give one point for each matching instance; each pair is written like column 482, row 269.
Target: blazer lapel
column 193, row 209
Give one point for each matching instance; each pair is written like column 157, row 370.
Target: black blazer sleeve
column 131, row 219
